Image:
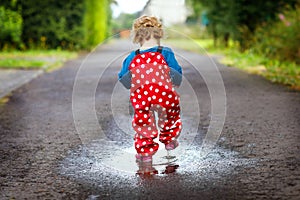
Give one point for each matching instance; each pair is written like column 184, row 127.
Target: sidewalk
column 12, row 79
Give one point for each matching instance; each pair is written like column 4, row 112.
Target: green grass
column 35, row 59
column 278, row 72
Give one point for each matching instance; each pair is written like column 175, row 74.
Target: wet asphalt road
column 44, row 156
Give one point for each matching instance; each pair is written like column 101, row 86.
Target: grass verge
column 286, row 73
column 35, row 59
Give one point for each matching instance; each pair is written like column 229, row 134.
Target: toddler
column 151, row 73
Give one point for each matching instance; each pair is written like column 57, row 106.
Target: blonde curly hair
column 146, row 27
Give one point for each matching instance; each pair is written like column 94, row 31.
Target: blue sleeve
column 175, row 68
column 171, row 60
column 126, row 63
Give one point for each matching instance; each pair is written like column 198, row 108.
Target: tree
column 10, row 27
column 239, row 18
column 96, row 21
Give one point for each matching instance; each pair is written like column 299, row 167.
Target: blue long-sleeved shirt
column 167, row 53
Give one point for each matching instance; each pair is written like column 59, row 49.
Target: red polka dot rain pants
column 152, row 91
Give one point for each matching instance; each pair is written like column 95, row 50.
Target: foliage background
column 65, row 24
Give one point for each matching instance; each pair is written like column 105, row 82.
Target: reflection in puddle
column 147, row 169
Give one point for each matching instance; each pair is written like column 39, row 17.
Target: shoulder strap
column 137, row 52
column 159, row 49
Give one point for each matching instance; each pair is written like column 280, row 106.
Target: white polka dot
column 139, row 129
column 137, row 106
column 132, row 94
column 166, row 87
column 149, row 120
column 157, row 73
column 132, row 65
column 176, row 98
column 155, row 63
column 134, row 100
column 153, row 97
column 164, row 109
column 160, row 100
column 148, row 60
column 142, row 150
column 145, row 115
column 171, row 131
column 140, row 121
column 159, row 67
column 172, row 104
column 145, row 92
column 160, row 83
column 137, row 146
column 149, row 128
column 132, row 85
column 170, row 96
column 158, row 57
column 167, row 102
column 140, row 111
column 147, row 108
column 162, row 77
column 133, row 75
column 144, row 103
column 151, row 150
column 149, row 98
column 156, row 90
column 139, row 96
column 138, row 81
column 138, row 60
column 167, row 128
column 142, row 76
column 147, row 82
column 152, row 54
column 143, row 56
column 138, row 90
column 151, row 87
column 137, row 71
column 153, row 80
column 142, row 66
column 147, row 72
column 151, row 70
column 163, row 93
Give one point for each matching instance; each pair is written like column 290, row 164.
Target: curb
column 11, row 80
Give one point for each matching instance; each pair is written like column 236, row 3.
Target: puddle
column 105, row 162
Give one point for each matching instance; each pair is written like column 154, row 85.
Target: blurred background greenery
column 261, row 37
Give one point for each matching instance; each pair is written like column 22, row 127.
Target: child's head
column 145, row 28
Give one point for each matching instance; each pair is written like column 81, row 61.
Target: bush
column 10, row 27
column 280, row 39
column 52, row 24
